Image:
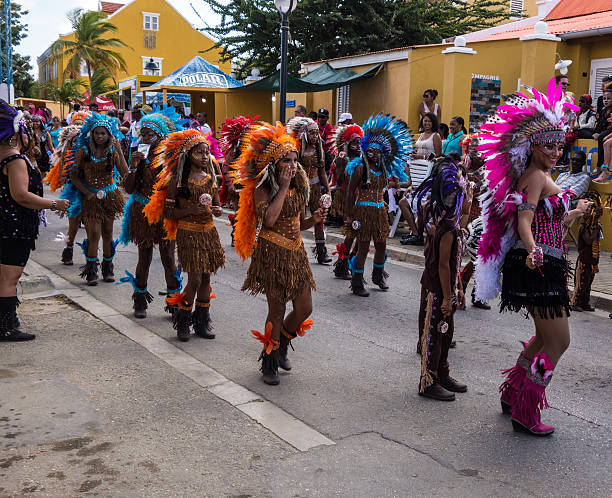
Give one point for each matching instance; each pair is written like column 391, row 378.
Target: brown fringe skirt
column 143, row 234
column 199, row 252
column 374, row 224
column 111, row 207
column 337, row 208
column 314, row 201
column 278, row 272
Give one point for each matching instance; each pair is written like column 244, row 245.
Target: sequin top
column 374, row 190
column 207, row 185
column 547, row 224
column 16, row 221
column 311, row 163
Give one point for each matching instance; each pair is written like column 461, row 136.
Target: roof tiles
column 574, row 8
column 110, row 7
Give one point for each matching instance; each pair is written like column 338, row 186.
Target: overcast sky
column 47, row 19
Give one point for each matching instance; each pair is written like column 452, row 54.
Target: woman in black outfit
column 22, row 209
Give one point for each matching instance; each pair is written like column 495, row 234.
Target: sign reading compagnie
column 203, row 79
column 484, row 77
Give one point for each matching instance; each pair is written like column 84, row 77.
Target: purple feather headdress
column 505, row 141
column 11, row 121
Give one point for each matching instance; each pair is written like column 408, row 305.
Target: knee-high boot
column 9, row 331
column 515, row 377
column 202, row 324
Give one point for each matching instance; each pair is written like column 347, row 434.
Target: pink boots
column 513, row 384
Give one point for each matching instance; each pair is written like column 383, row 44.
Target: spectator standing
column 45, row 145
column 202, row 125
column 576, row 179
column 452, row 143
column 54, row 131
column 346, row 119
column 300, row 112
column 429, row 106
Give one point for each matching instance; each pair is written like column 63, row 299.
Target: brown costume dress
column 311, row 165
column 370, row 210
column 279, row 265
column 337, row 208
column 141, row 233
column 197, row 241
column 96, row 175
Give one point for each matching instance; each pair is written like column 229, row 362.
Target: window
column 150, row 21
column 150, row 39
column 155, row 60
column 600, row 68
column 516, row 8
column 343, row 97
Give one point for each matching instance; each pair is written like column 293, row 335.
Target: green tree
column 93, row 45
column 101, row 82
column 325, row 29
column 70, row 92
column 22, row 77
column 40, row 90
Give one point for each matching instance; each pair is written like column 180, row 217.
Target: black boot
column 269, row 367
column 141, row 299
column 357, row 284
column 483, row 305
column 89, row 271
column 67, row 256
column 379, row 276
column 108, row 268
column 283, row 348
column 202, row 324
column 8, row 319
column 341, row 269
column 181, row 322
column 321, row 252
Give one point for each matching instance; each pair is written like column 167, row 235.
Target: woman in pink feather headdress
column 522, row 252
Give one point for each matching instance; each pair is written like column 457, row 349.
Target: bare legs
column 145, row 257
column 552, row 338
column 9, row 278
column 97, row 229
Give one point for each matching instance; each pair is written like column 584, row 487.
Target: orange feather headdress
column 266, row 145
column 171, row 153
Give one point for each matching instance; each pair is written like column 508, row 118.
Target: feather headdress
column 343, row 135
column 505, row 141
column 298, row 127
column 393, row 138
column 79, row 116
column 171, row 154
column 234, row 130
column 163, row 120
column 267, row 144
column 96, row 120
column 63, row 157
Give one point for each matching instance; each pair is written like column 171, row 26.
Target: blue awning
column 199, row 73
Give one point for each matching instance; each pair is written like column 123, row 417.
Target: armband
column 537, row 256
column 526, row 206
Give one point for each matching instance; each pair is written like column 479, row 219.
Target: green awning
column 321, row 79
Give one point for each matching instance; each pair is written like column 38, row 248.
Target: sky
column 47, row 19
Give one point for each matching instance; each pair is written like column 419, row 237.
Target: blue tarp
column 158, row 97
column 198, row 72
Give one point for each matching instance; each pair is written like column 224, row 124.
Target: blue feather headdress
column 393, row 138
column 94, row 121
column 163, row 120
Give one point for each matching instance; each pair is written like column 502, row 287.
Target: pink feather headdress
column 505, row 142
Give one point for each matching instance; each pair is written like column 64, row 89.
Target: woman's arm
column 129, row 181
column 19, row 179
column 582, row 207
column 439, row 113
column 323, row 178
column 421, row 109
column 172, row 210
column 75, row 176
column 341, row 163
column 526, row 210
column 121, row 164
column 49, row 143
column 308, row 223
column 437, row 144
column 275, row 207
column 350, row 195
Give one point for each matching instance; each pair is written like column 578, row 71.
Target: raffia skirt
column 374, row 224
column 337, row 208
column 277, row 272
column 199, row 252
column 543, row 293
column 111, row 207
column 143, row 234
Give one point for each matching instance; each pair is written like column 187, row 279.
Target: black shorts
column 15, row 252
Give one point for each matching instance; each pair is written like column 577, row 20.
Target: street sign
column 290, row 103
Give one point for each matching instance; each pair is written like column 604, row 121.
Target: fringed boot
column 89, row 271
column 513, row 384
column 358, row 283
column 173, row 308
column 181, row 321
column 202, row 324
column 379, row 276
column 341, row 266
column 269, row 356
column 67, row 254
column 9, row 330
column 321, row 252
column 108, row 268
column 283, row 349
column 532, row 398
column 142, row 298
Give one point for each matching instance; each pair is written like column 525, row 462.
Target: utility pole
column 6, row 70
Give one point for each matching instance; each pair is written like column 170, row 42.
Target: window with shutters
column 600, row 68
column 516, row 8
column 150, row 39
column 150, row 21
column 343, row 95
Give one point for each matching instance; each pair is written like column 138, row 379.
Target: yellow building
column 156, row 33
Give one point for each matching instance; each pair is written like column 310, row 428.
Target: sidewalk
column 601, row 295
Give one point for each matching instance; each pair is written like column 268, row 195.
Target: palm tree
column 92, row 45
column 69, row 92
column 99, row 83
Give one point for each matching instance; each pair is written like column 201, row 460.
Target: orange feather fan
column 53, row 177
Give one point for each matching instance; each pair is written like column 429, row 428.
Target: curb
column 33, row 282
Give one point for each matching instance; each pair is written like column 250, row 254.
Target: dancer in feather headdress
column 448, row 200
column 98, row 165
column 274, row 195
column 187, row 196
column 523, row 213
column 59, row 176
column 139, row 185
column 346, row 146
column 311, row 155
column 385, row 147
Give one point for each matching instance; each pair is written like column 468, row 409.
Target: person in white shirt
column 203, row 125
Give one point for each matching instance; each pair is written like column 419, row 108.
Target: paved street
column 139, row 427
